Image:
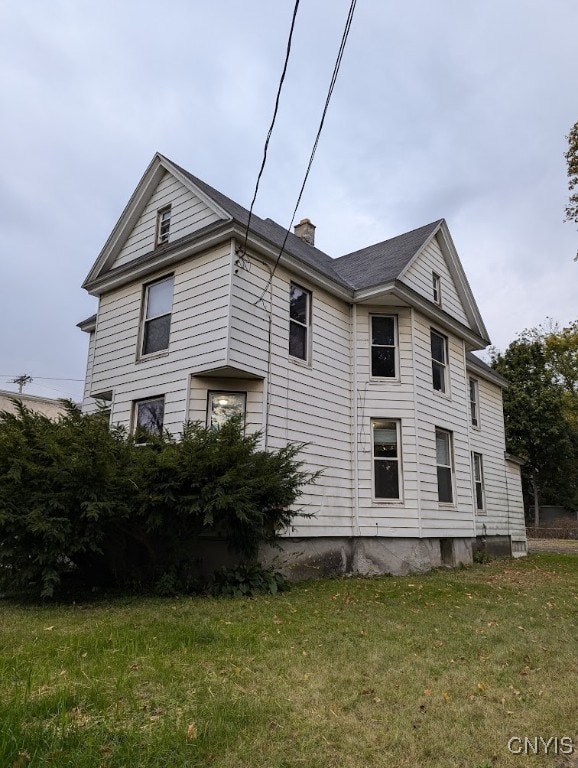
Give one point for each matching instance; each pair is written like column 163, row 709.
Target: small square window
column 439, row 360
column 224, row 406
column 445, row 466
column 299, row 321
column 149, row 418
column 383, row 346
column 156, row 329
column 386, row 459
column 437, row 288
column 163, row 225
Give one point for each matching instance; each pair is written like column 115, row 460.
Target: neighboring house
column 366, row 358
column 44, row 405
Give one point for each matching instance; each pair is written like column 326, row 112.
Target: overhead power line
column 316, row 142
column 276, row 109
column 43, row 378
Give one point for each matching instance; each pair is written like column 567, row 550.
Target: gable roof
column 485, row 370
column 377, row 265
column 269, row 230
column 385, row 261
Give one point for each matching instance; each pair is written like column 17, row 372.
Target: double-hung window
column 223, row 406
column 474, row 402
column 383, row 346
column 439, row 360
column 149, row 418
column 299, row 322
column 478, row 480
column 163, row 225
column 386, row 459
column 158, row 304
column 445, row 466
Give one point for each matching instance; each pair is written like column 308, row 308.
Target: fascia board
column 87, row 325
column 461, row 281
column 293, row 264
column 140, row 268
column 209, row 202
column 135, row 206
column 419, row 251
column 440, row 317
column 481, row 373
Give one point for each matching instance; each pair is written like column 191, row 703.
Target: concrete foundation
column 301, row 559
column 496, row 546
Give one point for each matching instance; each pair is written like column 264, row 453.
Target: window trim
column 437, row 288
column 475, row 402
column 160, row 237
column 451, row 466
column 479, row 510
column 141, row 355
column 307, row 359
column 135, row 408
column 396, row 376
column 445, row 391
column 399, row 458
column 213, row 392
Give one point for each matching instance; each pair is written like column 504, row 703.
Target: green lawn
column 434, row 670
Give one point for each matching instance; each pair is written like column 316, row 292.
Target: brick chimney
column 306, row 231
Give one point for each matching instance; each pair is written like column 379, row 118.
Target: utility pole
column 22, row 381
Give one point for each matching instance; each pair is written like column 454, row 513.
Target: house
column 46, row 406
column 366, row 358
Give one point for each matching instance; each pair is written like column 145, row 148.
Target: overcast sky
column 454, row 108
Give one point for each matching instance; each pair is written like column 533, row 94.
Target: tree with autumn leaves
column 572, row 161
column 541, row 412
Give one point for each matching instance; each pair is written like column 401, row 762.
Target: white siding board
column 419, row 277
column 188, row 215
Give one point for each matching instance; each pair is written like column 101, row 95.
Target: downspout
column 416, row 422
column 469, row 428
column 353, row 337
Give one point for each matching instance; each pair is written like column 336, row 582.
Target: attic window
column 163, row 225
column 437, row 288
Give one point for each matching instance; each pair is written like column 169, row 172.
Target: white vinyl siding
column 504, row 512
column 419, row 277
column 188, row 214
column 308, row 403
column 199, row 335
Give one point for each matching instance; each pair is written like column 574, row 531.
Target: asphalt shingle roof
column 383, row 262
column 271, row 231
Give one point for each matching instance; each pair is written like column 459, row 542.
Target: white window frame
column 135, row 417
column 450, row 466
column 144, row 319
column 437, row 288
column 478, row 479
column 213, row 393
column 398, row 459
column 395, row 347
column 474, row 388
column 444, row 365
column 306, row 325
column 163, row 228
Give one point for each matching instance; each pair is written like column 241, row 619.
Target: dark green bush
column 247, row 580
column 84, row 505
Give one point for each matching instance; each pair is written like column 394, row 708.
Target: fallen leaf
column 482, row 687
column 47, row 629
column 192, row 732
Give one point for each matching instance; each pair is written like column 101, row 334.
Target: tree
column 539, row 412
column 84, row 504
column 572, row 161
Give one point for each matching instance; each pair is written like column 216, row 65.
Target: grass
column 420, row 671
